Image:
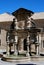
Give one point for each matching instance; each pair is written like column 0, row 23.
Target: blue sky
column 12, row 5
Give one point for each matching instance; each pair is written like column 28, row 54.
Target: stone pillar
column 37, row 38
column 15, row 45
column 35, row 48
column 7, row 48
column 22, row 44
column 37, row 53
column 27, row 54
column 15, row 49
column 40, row 43
column 37, row 45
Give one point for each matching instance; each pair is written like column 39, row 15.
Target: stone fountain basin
column 14, row 58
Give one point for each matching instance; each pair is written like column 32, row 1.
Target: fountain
column 20, row 30
column 13, row 37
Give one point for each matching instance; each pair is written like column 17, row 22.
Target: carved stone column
column 37, row 52
column 8, row 53
column 37, row 45
column 7, row 48
column 22, row 44
column 27, row 54
column 15, row 45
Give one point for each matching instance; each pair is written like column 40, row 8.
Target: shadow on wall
column 26, row 64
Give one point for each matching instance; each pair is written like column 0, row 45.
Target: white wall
column 3, row 39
